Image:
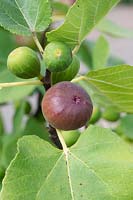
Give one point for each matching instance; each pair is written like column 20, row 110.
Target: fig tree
column 67, row 106
column 24, row 63
column 57, row 56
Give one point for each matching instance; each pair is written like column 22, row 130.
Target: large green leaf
column 14, row 93
column 80, row 20
column 111, row 86
column 100, row 53
column 99, row 166
column 114, row 29
column 24, row 17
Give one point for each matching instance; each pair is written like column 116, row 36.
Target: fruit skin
column 111, row 114
column 24, row 63
column 67, row 106
column 70, row 137
column 68, row 74
column 57, row 56
column 95, row 115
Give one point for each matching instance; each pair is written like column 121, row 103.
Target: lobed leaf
column 23, row 17
column 80, row 20
column 112, row 86
column 99, row 166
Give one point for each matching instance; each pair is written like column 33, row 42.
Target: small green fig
column 70, row 137
column 68, row 74
column 57, row 56
column 67, row 106
column 111, row 114
column 95, row 115
column 24, row 63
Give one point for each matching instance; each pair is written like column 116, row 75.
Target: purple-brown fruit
column 67, row 106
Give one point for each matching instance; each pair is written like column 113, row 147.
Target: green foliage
column 85, row 53
column 7, row 94
column 7, row 44
column 57, row 56
column 68, row 74
column 1, row 126
column 114, row 29
column 99, row 156
column 100, row 164
column 24, row 63
column 60, row 7
column 80, row 20
column 28, row 108
column 111, row 86
column 100, row 53
column 9, row 141
column 25, row 17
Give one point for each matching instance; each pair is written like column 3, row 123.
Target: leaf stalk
column 23, row 83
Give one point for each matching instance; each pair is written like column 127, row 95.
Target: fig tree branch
column 23, row 83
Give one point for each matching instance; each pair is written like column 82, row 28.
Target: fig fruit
column 111, row 114
column 24, row 63
column 70, row 137
column 95, row 115
column 67, row 106
column 57, row 56
column 68, row 74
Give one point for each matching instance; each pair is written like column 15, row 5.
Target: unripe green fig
column 68, row 74
column 24, row 63
column 70, row 137
column 67, row 106
column 95, row 115
column 57, row 56
column 111, row 114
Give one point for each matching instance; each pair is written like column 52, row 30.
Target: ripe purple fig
column 67, row 106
